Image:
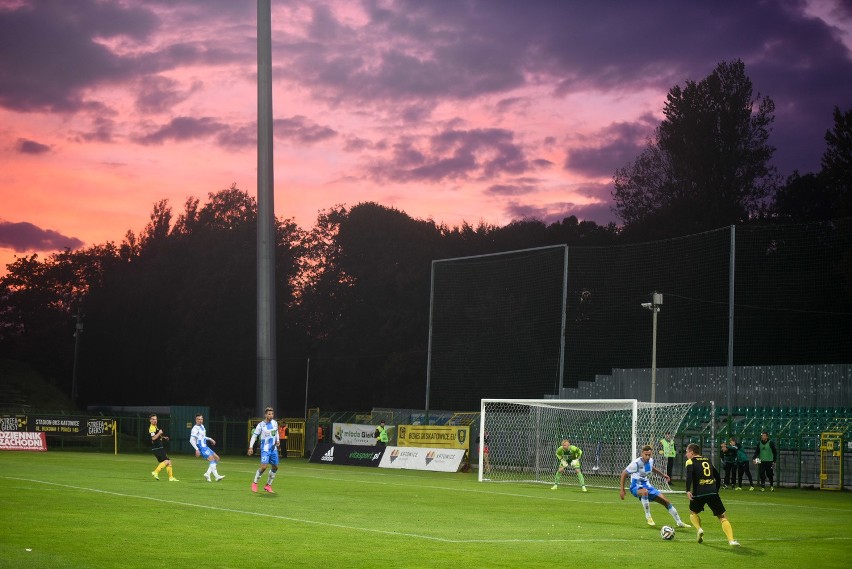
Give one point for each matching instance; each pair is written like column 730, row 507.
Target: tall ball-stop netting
column 496, row 327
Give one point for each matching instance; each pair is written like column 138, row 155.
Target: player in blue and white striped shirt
column 198, row 439
column 267, row 432
column 641, row 487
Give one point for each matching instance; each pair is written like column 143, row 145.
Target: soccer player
column 198, row 439
column 702, row 488
column 640, row 487
column 267, row 432
column 765, row 456
column 568, row 455
column 157, row 438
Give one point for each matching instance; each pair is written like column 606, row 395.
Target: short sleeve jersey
column 639, row 469
column 158, row 442
column 267, row 433
column 199, row 433
column 702, row 478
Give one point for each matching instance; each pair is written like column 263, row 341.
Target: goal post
column 522, row 435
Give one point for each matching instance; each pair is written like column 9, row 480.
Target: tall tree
column 38, row 303
column 177, row 323
column 366, row 297
column 837, row 162
column 707, row 165
column 827, row 194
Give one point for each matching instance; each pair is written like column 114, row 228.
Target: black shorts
column 160, row 454
column 696, row 505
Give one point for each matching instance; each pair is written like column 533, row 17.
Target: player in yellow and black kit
column 702, row 488
column 163, row 460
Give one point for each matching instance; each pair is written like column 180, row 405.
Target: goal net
column 522, row 436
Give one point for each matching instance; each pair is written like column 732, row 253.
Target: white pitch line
column 314, row 522
column 372, row 530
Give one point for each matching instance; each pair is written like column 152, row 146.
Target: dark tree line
column 169, row 313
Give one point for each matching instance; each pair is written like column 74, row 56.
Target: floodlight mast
column 654, row 307
column 267, row 361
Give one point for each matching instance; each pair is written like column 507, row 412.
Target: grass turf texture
column 93, row 510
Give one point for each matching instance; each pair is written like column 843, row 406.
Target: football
column 757, row 461
column 667, row 532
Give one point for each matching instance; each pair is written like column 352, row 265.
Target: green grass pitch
column 94, row 510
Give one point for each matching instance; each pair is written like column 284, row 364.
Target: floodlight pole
column 267, row 362
column 654, row 307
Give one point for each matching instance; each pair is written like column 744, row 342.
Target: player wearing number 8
column 702, row 488
column 568, row 455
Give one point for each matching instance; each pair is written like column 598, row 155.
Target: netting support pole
column 730, row 371
column 561, row 385
column 429, row 348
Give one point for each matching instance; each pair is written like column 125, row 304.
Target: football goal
column 522, row 436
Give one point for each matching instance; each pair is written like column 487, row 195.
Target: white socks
column 646, row 505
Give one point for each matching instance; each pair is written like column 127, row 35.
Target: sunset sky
column 451, row 110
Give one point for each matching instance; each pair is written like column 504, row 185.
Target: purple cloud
column 102, row 130
column 158, row 94
column 301, row 130
column 181, row 129
column 23, row 236
column 614, row 146
column 41, row 74
column 517, row 189
column 482, row 154
column 25, row 146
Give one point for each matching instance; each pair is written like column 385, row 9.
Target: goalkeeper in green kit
column 568, row 455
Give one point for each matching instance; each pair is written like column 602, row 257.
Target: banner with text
column 411, row 458
column 354, row 434
column 12, row 440
column 59, row 425
column 348, row 455
column 13, row 422
column 433, row 436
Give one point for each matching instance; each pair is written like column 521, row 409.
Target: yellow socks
column 696, row 521
column 160, row 467
column 169, row 470
column 729, row 531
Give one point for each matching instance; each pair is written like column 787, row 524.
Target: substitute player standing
column 267, row 432
column 568, row 455
column 198, row 439
column 702, row 488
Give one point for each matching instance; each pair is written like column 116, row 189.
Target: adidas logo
column 329, row 455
